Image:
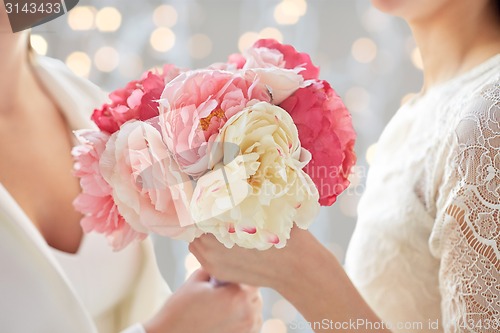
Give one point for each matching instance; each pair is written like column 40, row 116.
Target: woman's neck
column 14, row 66
column 456, row 40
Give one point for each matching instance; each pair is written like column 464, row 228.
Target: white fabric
column 100, row 276
column 137, row 328
column 426, row 246
column 48, row 292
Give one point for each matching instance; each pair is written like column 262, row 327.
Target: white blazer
column 35, row 294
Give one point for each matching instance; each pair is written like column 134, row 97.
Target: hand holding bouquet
column 242, row 150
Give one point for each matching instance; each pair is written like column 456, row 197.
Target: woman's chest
column 411, row 159
column 36, row 168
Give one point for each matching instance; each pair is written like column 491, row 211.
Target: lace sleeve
column 469, row 222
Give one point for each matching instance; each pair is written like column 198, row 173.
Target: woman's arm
column 466, row 234
column 304, row 272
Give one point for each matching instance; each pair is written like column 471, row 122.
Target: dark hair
column 497, row 7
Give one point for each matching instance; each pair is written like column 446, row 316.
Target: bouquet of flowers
column 242, row 150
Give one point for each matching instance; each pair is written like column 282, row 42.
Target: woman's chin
column 415, row 10
column 392, row 7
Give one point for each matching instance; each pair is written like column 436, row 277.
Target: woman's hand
column 198, row 306
column 267, row 268
column 304, row 272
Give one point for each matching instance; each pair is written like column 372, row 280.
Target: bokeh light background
column 370, row 59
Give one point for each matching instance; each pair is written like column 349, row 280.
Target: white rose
column 255, row 195
column 262, row 57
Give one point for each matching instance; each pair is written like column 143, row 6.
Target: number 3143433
column 33, row 7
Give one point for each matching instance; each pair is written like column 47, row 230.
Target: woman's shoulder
column 69, row 90
column 58, row 70
column 470, row 131
column 479, row 118
column 474, row 91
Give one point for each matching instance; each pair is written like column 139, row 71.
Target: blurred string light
column 370, row 153
column 200, row 46
column 106, row 59
column 247, row 39
column 39, row 44
column 82, row 18
column 79, row 63
column 364, row 50
column 271, row 32
column 108, row 19
column 165, row 16
column 274, row 326
column 289, row 12
column 162, row 39
column 416, row 58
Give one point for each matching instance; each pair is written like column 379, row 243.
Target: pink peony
column 237, row 60
column 197, row 104
column 292, row 58
column 95, row 202
column 137, row 165
column 138, row 100
column 325, row 130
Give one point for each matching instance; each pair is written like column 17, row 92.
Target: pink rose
column 325, row 129
column 234, row 63
column 102, row 216
column 137, row 165
column 104, row 119
column 237, row 60
column 292, row 58
column 196, row 105
column 138, row 100
column 95, row 202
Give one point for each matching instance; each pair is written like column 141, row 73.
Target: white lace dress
column 426, row 250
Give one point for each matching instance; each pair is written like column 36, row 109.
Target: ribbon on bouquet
column 218, row 283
